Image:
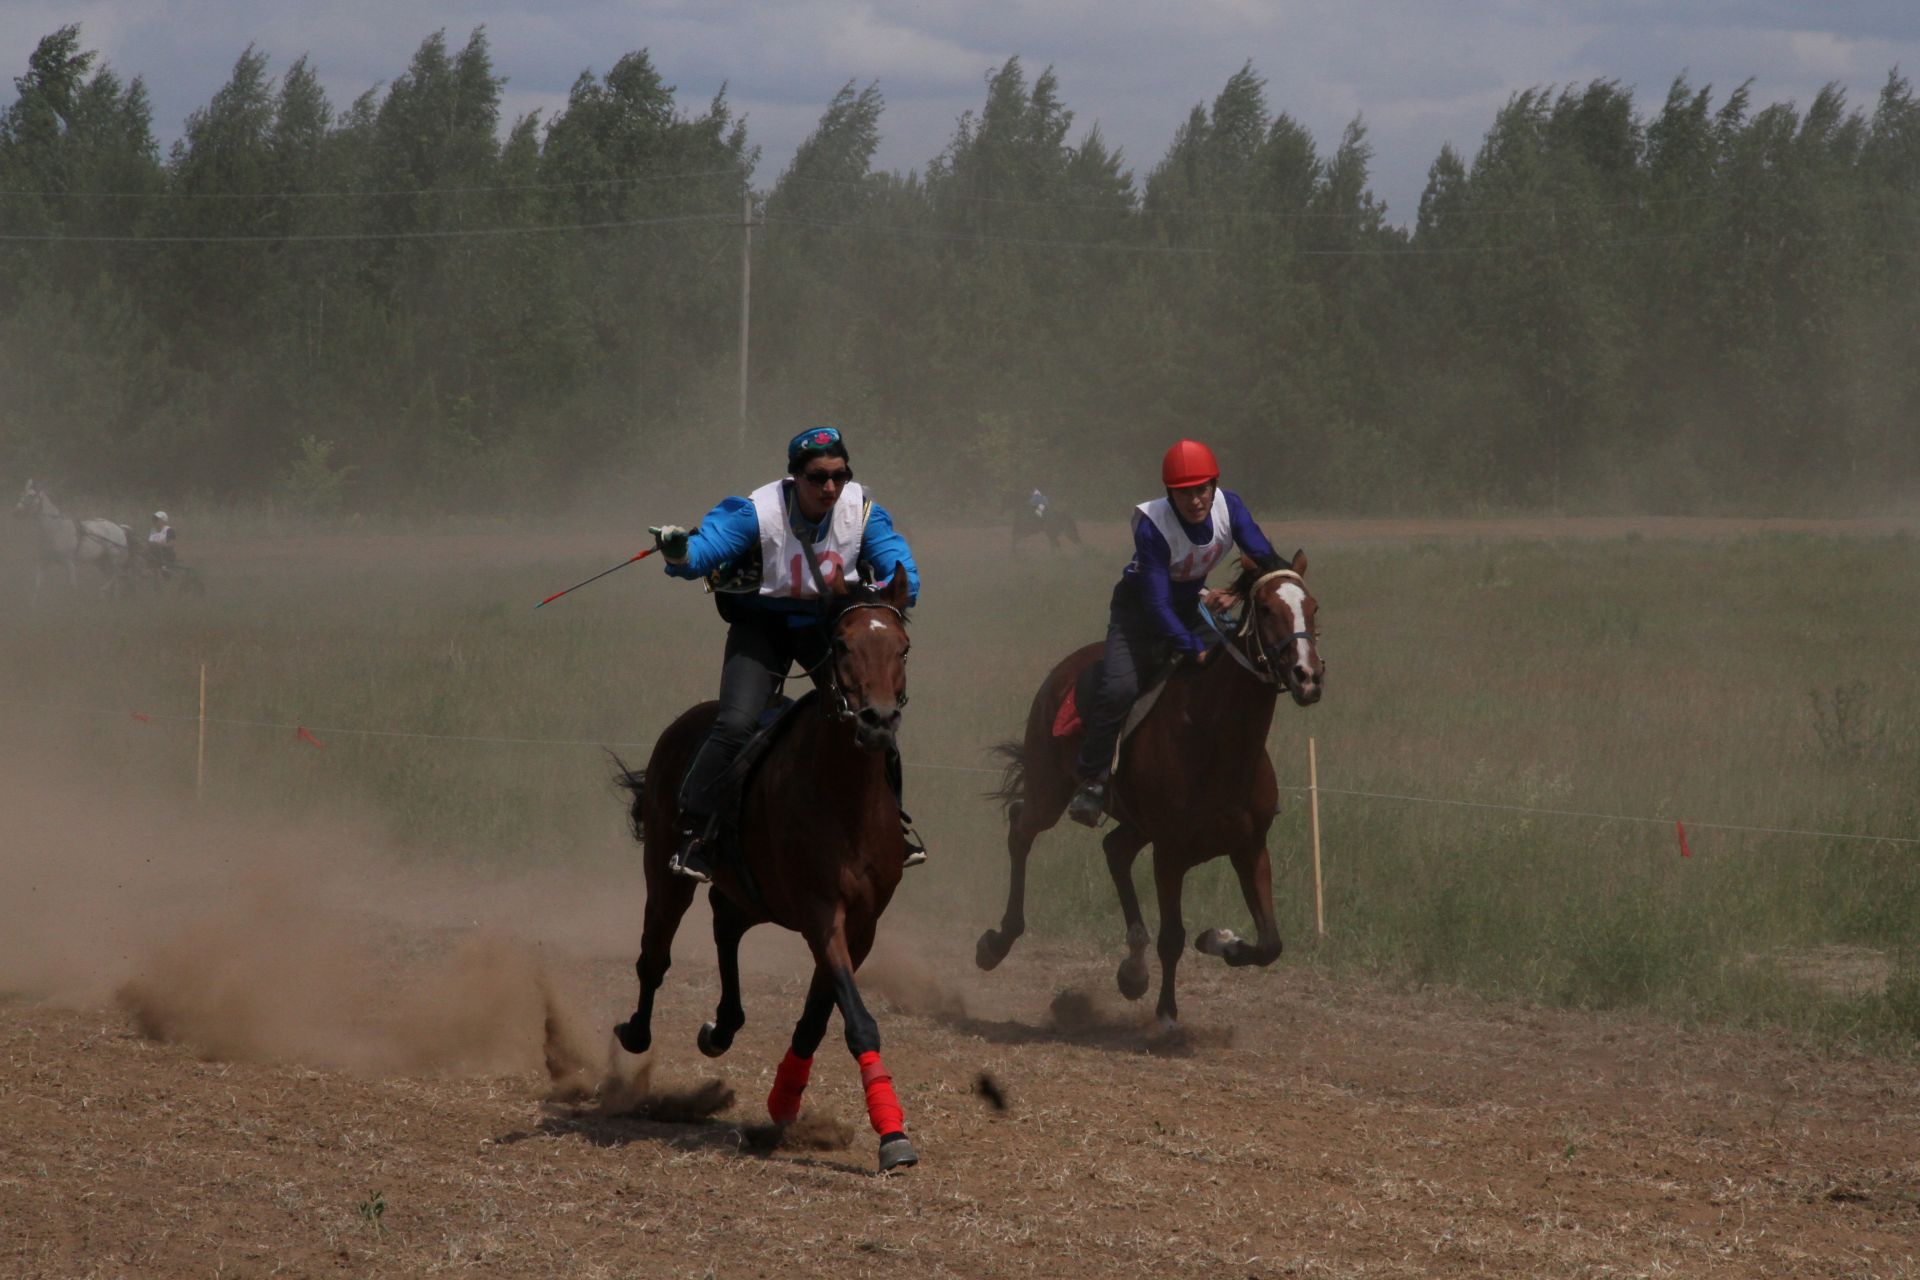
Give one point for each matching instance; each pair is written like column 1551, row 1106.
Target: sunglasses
column 821, row 479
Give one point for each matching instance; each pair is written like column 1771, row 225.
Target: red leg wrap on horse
column 789, row 1082
column 883, row 1108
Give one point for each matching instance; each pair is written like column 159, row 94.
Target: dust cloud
column 248, row 942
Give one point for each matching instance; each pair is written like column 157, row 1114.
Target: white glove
column 672, row 541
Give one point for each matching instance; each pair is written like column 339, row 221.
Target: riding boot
column 690, row 848
column 1089, row 803
column 916, row 848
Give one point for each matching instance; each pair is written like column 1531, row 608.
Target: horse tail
column 1012, row 790
column 635, row 782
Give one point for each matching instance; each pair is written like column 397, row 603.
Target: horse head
column 33, row 500
column 1280, row 616
column 869, row 659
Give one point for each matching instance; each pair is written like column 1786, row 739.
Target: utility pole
column 746, row 302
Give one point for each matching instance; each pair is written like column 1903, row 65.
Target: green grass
column 1766, row 683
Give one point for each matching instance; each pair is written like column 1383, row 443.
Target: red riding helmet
column 1188, row 463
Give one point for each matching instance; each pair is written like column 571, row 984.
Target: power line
column 349, row 192
column 714, row 219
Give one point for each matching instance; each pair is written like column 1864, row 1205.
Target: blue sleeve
column 728, row 532
column 1151, row 558
column 1247, row 535
column 882, row 547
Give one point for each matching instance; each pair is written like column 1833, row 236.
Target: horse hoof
column 1167, row 1026
column 1216, row 942
column 633, row 1037
column 897, row 1153
column 710, row 1041
column 990, row 950
column 1132, row 978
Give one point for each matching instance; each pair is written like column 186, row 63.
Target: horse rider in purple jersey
column 1155, row 610
column 767, row 557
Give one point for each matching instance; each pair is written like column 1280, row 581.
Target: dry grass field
column 348, row 1014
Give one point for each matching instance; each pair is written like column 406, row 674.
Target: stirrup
column 689, row 859
column 916, row 848
column 1089, row 804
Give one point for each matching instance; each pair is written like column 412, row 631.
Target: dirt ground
column 1291, row 1127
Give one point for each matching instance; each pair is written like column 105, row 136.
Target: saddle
column 1068, row 723
column 723, row 837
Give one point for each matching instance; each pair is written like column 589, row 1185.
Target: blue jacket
column 731, row 532
column 1172, row 608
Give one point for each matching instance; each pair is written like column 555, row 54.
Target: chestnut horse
column 1194, row 780
column 819, row 851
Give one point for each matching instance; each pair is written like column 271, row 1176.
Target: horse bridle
column 843, row 709
column 1263, row 666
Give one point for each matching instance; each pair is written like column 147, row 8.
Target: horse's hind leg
column 1123, row 844
column 668, row 897
column 995, row 943
column 716, row 1037
column 1255, row 870
column 863, row 1042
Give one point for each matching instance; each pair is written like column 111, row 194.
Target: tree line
column 1711, row 305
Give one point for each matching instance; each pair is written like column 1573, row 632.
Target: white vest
column 783, row 557
column 1191, row 561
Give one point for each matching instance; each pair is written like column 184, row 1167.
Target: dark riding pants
column 1136, row 652
column 760, row 650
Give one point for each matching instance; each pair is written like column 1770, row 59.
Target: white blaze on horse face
column 1294, row 596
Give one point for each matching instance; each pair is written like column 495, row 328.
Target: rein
column 1259, row 666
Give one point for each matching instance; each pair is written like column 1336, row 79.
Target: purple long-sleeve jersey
column 1174, row 607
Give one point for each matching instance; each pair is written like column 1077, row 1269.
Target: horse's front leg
column 790, row 1080
column 863, row 1042
column 729, row 924
column 1255, row 869
column 1123, row 844
column 1169, row 875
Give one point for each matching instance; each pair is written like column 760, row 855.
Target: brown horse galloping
column 821, row 850
column 1194, row 781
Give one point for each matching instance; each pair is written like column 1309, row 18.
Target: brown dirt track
column 1294, row 1127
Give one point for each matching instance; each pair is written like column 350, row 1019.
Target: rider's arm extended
column 726, row 533
column 1247, row 535
column 1151, row 558
column 884, row 549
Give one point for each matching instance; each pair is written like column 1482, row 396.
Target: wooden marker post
column 1313, row 794
column 200, row 758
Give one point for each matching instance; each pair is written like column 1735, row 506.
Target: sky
column 1420, row 72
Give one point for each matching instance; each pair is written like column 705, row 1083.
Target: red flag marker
column 143, row 717
column 300, row 732
column 1681, row 828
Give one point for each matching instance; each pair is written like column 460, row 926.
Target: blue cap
column 810, row 439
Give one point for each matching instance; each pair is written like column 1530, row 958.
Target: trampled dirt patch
column 1297, row 1127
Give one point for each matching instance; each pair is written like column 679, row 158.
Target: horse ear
column 899, row 588
column 1300, row 562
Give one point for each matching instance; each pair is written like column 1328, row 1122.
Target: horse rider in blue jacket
column 1155, row 610
column 754, row 553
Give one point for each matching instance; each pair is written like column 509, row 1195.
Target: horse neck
column 829, row 744
column 1231, row 706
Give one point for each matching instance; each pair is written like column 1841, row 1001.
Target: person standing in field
column 771, row 559
column 1154, row 614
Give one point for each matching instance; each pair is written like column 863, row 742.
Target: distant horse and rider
column 122, row 560
column 1040, row 514
column 64, row 541
column 1192, row 776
